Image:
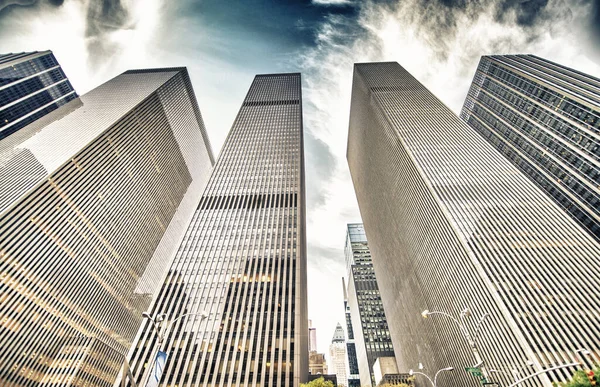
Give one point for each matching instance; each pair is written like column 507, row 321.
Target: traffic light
column 591, row 377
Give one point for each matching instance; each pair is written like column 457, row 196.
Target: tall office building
column 243, row 258
column 452, row 225
column 353, row 373
column 312, row 337
column 545, row 118
column 94, row 198
column 32, row 84
column 370, row 328
column 337, row 355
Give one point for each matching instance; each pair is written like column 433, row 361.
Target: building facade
column 32, row 84
column 337, row 356
column 454, row 225
column 317, row 364
column 544, row 118
column 353, row 373
column 94, row 198
column 243, row 258
column 370, row 328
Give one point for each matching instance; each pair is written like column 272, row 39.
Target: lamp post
column 157, row 326
column 584, row 354
column 434, row 381
column 517, row 382
column 471, row 339
column 514, row 370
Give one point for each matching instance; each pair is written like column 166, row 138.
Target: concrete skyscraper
column 337, row 355
column 32, row 84
column 370, row 329
column 545, row 118
column 452, row 224
column 94, row 199
column 353, row 373
column 243, row 258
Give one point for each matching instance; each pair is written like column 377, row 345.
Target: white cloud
column 441, row 47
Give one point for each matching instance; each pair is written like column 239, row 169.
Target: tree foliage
column 581, row 379
column 318, row 383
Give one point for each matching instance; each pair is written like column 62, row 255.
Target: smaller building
column 337, row 354
column 317, row 365
column 385, row 371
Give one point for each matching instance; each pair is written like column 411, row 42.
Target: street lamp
column 471, row 339
column 434, row 381
column 514, row 370
column 157, row 325
column 584, row 354
column 517, row 382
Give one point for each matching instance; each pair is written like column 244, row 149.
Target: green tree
column 318, row 383
column 580, row 379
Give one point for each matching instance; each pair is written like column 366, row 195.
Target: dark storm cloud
column 26, row 3
column 104, row 17
column 286, row 25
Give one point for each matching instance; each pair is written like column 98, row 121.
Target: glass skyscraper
column 545, row 118
column 242, row 260
column 370, row 328
column 94, row 198
column 452, row 224
column 32, row 84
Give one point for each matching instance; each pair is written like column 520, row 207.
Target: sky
column 224, row 43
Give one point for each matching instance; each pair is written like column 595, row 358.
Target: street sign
column 157, row 370
column 474, row 371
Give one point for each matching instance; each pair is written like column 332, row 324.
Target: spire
column 338, row 335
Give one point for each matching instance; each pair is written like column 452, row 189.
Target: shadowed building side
column 452, row 225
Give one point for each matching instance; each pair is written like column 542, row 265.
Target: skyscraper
column 243, row 258
column 312, row 337
column 94, row 198
column 32, row 84
column 370, row 328
column 353, row 373
column 545, row 118
column 453, row 225
column 337, row 355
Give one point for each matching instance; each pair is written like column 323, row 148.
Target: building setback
column 353, row 373
column 94, row 198
column 452, row 225
column 544, row 118
column 243, row 258
column 337, row 355
column 32, row 84
column 370, row 328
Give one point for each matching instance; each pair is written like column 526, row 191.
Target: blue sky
column 225, row 43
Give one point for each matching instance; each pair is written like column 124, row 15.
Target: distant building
column 32, row 84
column 369, row 324
column 545, row 119
column 317, row 365
column 337, row 355
column 385, row 371
column 353, row 373
column 312, row 337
